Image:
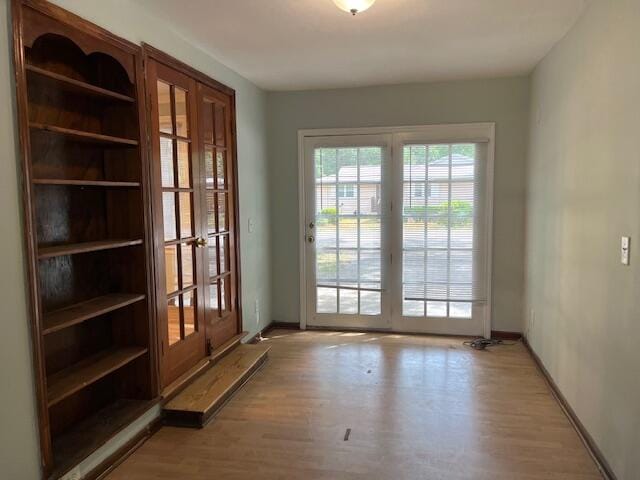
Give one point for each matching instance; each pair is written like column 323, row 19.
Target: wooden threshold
column 74, row 85
column 80, row 312
column 226, row 347
column 93, row 432
column 197, row 403
column 84, row 136
column 84, row 247
column 66, row 382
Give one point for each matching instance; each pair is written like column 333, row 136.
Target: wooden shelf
column 70, row 380
column 85, row 183
column 85, row 247
column 82, row 136
column 93, row 432
column 83, row 311
column 73, row 85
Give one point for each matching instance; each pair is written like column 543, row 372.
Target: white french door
column 347, row 249
column 398, row 230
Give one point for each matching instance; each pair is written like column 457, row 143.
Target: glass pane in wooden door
column 173, row 313
column 164, row 107
column 217, row 206
column 178, row 211
column 221, row 168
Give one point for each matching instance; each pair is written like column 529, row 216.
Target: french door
column 347, row 249
column 218, row 205
column 194, row 207
column 397, row 231
column 179, row 230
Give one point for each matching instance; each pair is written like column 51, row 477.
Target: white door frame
column 465, row 132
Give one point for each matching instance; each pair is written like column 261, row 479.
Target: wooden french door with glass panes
column 216, row 147
column 194, row 221
column 179, row 230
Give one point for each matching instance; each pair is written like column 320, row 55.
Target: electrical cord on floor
column 483, row 343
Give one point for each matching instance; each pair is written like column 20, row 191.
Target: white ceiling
column 304, row 44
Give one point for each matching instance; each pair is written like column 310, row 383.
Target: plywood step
column 197, row 403
column 193, row 373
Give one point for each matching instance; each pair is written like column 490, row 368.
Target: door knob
column 310, row 239
column 201, row 242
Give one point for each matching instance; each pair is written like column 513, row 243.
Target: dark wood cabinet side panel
column 46, row 450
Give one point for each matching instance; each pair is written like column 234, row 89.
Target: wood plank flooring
column 418, row 408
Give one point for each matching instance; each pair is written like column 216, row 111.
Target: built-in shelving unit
column 83, row 311
column 84, row 183
column 73, row 85
column 84, row 247
column 82, row 136
column 79, row 375
column 91, row 433
column 79, row 93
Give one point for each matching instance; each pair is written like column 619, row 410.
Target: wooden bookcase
column 87, row 226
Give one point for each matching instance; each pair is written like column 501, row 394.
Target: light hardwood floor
column 418, row 408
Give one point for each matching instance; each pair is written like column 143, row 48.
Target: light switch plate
column 625, row 253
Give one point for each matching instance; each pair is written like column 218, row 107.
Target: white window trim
column 441, row 133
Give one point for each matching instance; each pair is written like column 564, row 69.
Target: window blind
column 443, row 237
column 348, row 229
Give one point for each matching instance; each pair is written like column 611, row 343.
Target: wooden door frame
column 149, row 52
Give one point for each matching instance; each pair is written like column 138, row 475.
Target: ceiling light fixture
column 354, row 6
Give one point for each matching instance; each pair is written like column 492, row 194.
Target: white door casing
column 477, row 144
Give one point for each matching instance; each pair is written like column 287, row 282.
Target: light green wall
column 19, row 448
column 504, row 101
column 583, row 195
column 19, row 457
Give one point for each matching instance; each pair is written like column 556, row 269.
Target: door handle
column 201, row 242
column 310, row 239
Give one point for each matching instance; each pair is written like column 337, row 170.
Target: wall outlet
column 251, row 226
column 73, row 474
column 625, row 251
